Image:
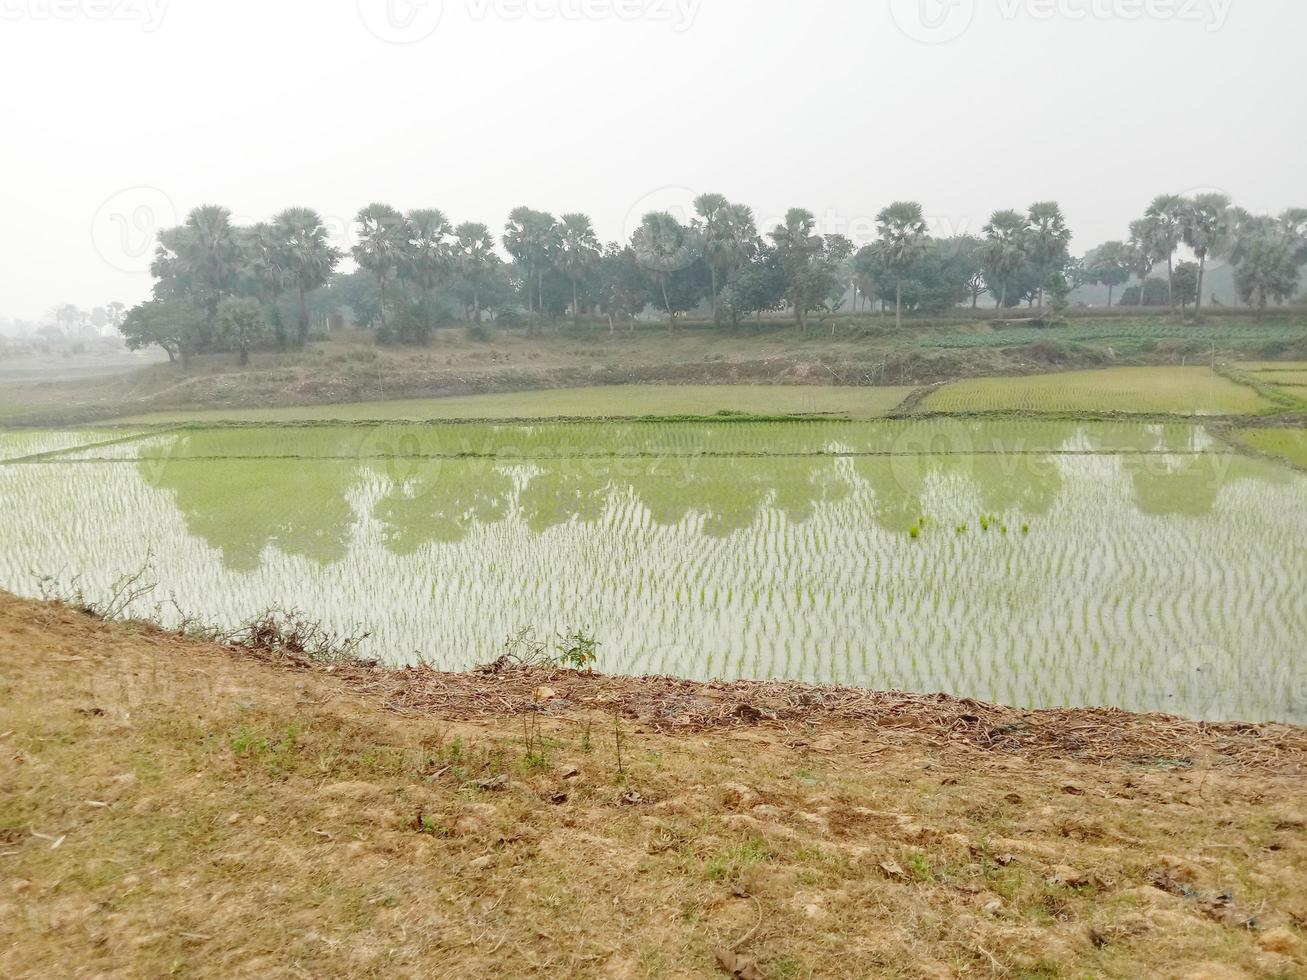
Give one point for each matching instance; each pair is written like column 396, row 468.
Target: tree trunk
column 716, row 313
column 381, row 291
column 1170, row 281
column 576, row 307
column 302, row 328
column 476, row 306
column 1202, row 269
column 540, row 290
column 975, row 298
column 898, row 304
column 671, row 317
column 1110, row 287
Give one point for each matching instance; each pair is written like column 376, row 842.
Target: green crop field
column 1124, row 335
column 1030, row 561
column 1178, row 390
column 621, row 401
column 1290, row 444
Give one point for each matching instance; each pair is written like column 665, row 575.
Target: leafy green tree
column 622, row 285
column 171, row 322
column 200, row 263
column 1165, row 231
column 1266, row 255
column 241, row 324
column 902, row 242
column 759, row 287
column 664, row 248
column 1205, row 228
column 382, row 245
column 1049, row 242
column 1109, row 265
column 1006, row 250
column 814, row 266
column 578, row 251
column 309, row 258
column 1185, row 282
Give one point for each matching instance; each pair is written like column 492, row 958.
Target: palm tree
column 308, row 257
column 712, row 211
column 474, row 252
column 797, row 248
column 382, row 238
column 663, row 246
column 737, row 245
column 1050, row 240
column 1206, row 230
column 903, row 240
column 1142, row 258
column 1165, row 230
column 1006, row 249
column 578, row 251
column 531, row 238
column 428, row 249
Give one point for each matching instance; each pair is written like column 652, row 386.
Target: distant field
column 1273, row 367
column 1180, row 390
column 615, row 401
column 1291, row 444
column 1125, row 335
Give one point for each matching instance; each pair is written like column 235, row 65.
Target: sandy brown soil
column 173, row 807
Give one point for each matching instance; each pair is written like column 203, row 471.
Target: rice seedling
column 723, row 549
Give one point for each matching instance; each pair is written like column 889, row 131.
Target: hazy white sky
column 122, row 114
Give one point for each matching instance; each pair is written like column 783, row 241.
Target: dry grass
column 168, row 807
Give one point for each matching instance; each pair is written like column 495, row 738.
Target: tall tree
column 1165, row 232
column 201, row 262
column 474, row 257
column 1142, row 256
column 1205, row 228
column 578, row 251
column 664, row 247
column 309, row 258
column 712, row 211
column 1006, row 250
column 382, row 244
column 241, row 323
column 1050, row 241
column 1109, row 265
column 532, row 238
column 797, row 250
column 902, row 242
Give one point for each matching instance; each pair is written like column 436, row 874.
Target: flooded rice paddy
column 1035, row 563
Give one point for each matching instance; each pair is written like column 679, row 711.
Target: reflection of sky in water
column 1166, row 577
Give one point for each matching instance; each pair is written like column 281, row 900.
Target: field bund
column 1036, row 563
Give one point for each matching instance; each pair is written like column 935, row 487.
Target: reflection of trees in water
column 241, row 506
column 1190, row 485
column 439, row 501
column 1024, row 483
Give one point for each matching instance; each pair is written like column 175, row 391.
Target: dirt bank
column 171, row 806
